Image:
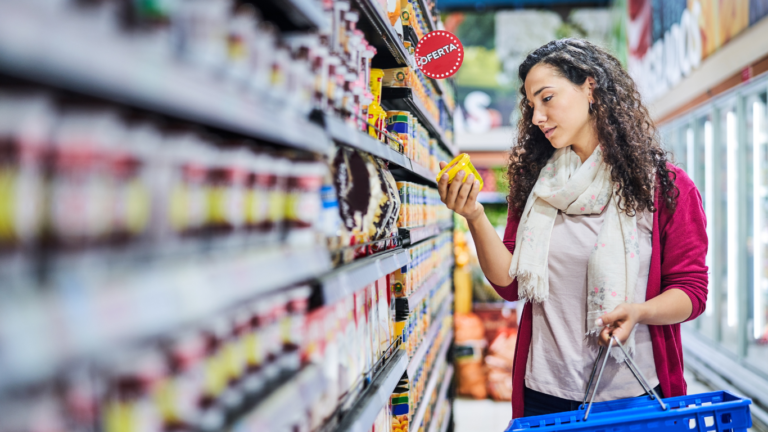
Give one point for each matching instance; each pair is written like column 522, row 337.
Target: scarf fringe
column 529, row 288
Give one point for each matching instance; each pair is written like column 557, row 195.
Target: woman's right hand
column 461, row 196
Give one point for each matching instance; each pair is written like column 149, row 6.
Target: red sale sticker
column 439, row 54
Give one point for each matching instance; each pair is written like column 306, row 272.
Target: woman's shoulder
column 683, row 181
column 688, row 197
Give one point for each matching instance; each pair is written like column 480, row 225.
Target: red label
column 439, row 54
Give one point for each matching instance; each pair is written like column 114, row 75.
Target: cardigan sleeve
column 684, row 246
column 509, row 292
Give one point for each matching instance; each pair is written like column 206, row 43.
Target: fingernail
column 461, row 174
column 477, row 183
column 599, row 322
column 444, row 177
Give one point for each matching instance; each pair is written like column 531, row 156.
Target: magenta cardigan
column 677, row 261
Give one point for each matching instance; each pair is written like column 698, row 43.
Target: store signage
column 439, row 54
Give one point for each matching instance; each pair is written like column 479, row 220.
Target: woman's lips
column 548, row 132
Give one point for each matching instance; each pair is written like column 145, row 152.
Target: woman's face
column 560, row 108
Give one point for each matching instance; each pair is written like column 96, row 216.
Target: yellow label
column 118, row 417
column 217, row 204
column 214, row 376
column 177, row 208
column 7, row 200
column 276, row 206
column 138, row 207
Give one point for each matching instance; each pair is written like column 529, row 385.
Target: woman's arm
column 461, row 197
column 670, row 307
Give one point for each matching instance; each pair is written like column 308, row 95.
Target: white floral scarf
column 567, row 185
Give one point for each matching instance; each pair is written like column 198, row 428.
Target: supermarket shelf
column 296, row 14
column 90, row 60
column 411, row 302
column 346, row 280
column 424, row 172
column 280, row 407
column 434, row 380
column 416, row 234
column 491, row 198
column 447, row 419
column 442, row 396
column 86, row 313
column 364, row 412
column 429, row 338
column 401, row 98
column 380, row 32
column 346, row 135
column 431, row 23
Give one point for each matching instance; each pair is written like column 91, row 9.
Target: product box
column 385, row 337
column 397, row 77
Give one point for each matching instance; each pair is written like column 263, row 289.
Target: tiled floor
column 489, row 416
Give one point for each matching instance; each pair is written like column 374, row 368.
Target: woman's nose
column 538, row 117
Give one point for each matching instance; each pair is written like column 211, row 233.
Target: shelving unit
column 443, row 396
column 98, row 63
column 343, row 134
column 296, row 395
column 410, row 302
column 401, row 98
column 296, row 14
column 429, row 338
column 38, row 340
column 431, row 22
column 380, row 33
column 434, row 380
column 346, row 280
column 361, row 416
column 415, row 235
column 86, row 313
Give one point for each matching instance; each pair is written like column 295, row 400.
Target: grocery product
column 460, row 163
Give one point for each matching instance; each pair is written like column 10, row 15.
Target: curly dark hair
column 626, row 133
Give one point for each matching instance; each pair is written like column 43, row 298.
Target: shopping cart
column 705, row 412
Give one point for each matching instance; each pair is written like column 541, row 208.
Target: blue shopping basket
column 706, row 412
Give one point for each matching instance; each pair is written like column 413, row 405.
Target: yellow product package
column 461, row 162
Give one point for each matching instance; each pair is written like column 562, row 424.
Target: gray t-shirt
column 561, row 355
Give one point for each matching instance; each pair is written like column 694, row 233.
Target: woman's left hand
column 618, row 323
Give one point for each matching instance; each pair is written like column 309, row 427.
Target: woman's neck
column 586, row 144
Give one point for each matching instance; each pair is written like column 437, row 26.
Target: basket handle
column 638, row 374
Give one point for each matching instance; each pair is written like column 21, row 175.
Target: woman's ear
column 588, row 86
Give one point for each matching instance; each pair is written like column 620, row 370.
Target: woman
column 604, row 237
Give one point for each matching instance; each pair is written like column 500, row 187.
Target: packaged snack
column 460, row 162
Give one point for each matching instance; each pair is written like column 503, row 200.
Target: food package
column 384, row 317
column 372, row 309
column 361, row 319
column 357, row 183
column 397, row 77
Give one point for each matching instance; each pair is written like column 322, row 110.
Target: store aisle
column 481, row 415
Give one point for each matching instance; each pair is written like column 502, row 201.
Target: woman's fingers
column 443, row 164
column 472, row 198
column 442, row 187
column 464, row 190
column 453, row 190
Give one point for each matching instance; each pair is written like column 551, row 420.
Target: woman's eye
column 547, row 99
